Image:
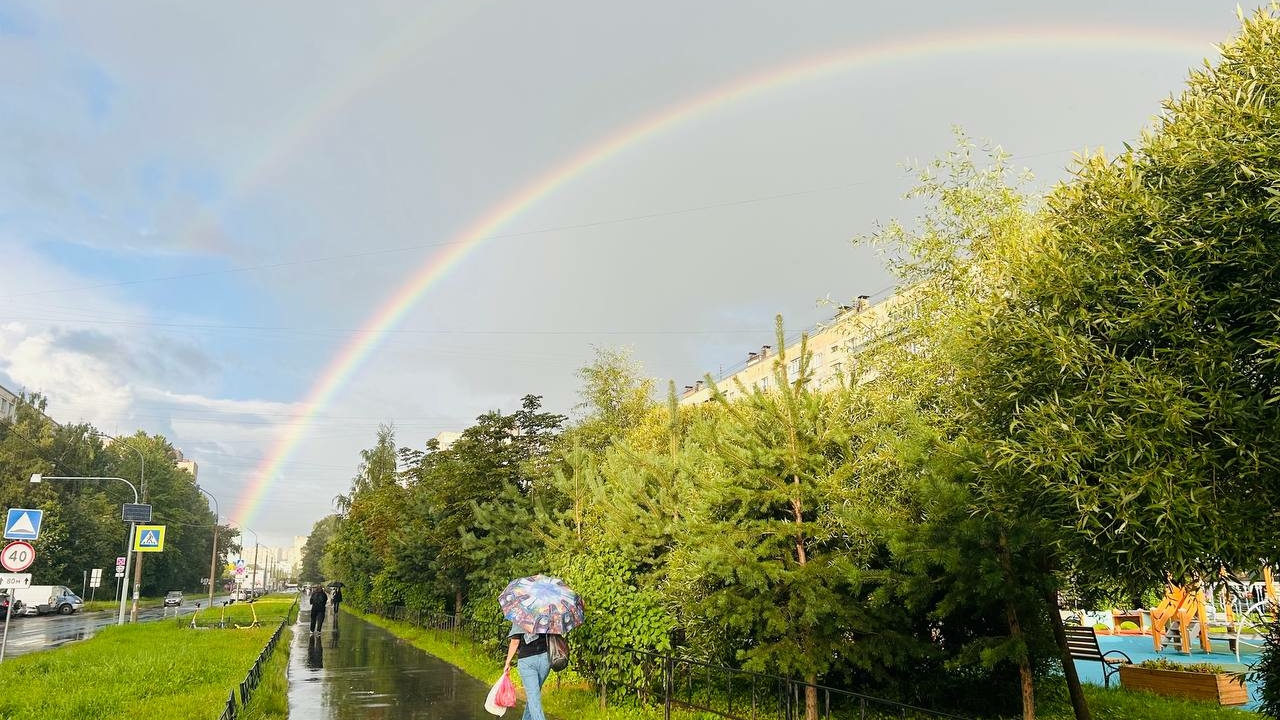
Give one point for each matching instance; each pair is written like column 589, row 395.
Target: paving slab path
column 357, row 670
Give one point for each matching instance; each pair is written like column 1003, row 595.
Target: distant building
column 8, row 404
column 833, row 347
column 191, row 466
column 447, row 439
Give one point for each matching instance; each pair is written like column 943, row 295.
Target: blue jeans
column 533, row 672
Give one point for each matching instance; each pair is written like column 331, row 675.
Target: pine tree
column 767, row 543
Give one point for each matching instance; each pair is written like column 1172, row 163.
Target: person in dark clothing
column 318, row 602
column 336, row 599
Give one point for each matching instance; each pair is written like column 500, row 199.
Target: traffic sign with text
column 150, row 538
column 135, row 512
column 23, row 524
column 17, row 556
column 14, row 580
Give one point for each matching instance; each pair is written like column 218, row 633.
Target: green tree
column 768, row 544
column 313, row 551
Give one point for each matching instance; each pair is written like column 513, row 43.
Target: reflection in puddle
column 358, row 670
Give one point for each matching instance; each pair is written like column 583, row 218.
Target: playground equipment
column 1246, row 608
column 1173, row 617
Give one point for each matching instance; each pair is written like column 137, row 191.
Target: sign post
column 10, row 581
column 95, row 582
column 17, row 556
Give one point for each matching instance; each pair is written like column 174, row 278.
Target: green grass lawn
column 144, row 670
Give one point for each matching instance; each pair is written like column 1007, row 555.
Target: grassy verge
column 143, row 670
column 567, row 696
column 271, row 700
column 99, row 605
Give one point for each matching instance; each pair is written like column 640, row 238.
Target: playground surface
column 1140, row 647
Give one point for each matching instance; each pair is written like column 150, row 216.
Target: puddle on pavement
column 361, row 671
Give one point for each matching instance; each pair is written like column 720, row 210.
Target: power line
column 496, row 236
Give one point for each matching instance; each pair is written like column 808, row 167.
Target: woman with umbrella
column 537, row 606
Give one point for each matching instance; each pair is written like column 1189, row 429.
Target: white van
column 44, row 599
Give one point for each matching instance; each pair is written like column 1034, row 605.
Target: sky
column 262, row 229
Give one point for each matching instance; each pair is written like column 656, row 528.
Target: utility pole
column 213, row 559
column 137, row 564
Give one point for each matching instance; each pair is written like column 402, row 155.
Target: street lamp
column 133, row 526
column 213, row 559
column 137, row 566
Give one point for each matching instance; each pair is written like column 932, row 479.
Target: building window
column 763, row 383
column 793, row 368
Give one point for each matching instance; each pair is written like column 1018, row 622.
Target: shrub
column 1267, row 673
column 1166, row 664
column 1128, row 625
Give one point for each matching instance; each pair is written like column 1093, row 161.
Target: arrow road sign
column 150, row 538
column 23, row 524
column 14, row 580
column 17, row 556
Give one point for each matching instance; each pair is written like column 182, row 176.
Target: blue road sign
column 23, row 524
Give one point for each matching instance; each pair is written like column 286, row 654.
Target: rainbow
column 350, row 358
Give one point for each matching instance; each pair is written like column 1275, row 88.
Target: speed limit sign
column 17, row 556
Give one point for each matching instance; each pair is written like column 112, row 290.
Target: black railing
column 673, row 682
column 254, row 676
column 487, row 633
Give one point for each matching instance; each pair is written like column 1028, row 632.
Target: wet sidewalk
column 357, row 670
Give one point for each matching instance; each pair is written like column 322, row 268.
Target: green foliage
column 82, row 527
column 1266, row 671
column 1167, row 664
column 623, row 614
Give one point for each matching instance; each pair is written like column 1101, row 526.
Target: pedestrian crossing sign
column 150, row 538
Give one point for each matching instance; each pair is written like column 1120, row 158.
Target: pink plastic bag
column 506, row 696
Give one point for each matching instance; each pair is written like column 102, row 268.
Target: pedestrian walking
column 318, row 602
column 533, row 665
column 336, row 599
column 538, row 606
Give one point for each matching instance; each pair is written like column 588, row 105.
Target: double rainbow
column 351, row 357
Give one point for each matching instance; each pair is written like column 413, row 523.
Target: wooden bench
column 1082, row 644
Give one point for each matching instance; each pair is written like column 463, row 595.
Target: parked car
column 173, row 599
column 242, row 594
column 4, row 606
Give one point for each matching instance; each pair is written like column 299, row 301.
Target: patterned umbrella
column 542, row 604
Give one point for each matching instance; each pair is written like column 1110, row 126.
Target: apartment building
column 834, row 346
column 8, row 404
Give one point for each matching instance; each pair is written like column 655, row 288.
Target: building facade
column 833, row 347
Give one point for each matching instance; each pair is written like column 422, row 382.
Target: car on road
column 4, row 606
column 242, row 594
column 173, row 599
column 42, row 599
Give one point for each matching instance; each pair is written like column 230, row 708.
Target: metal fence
column 671, row 681
column 489, row 634
column 254, row 676
column 681, row 682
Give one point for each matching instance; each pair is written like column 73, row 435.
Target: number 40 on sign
column 17, row 556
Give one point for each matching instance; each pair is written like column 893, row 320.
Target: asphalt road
column 29, row 634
